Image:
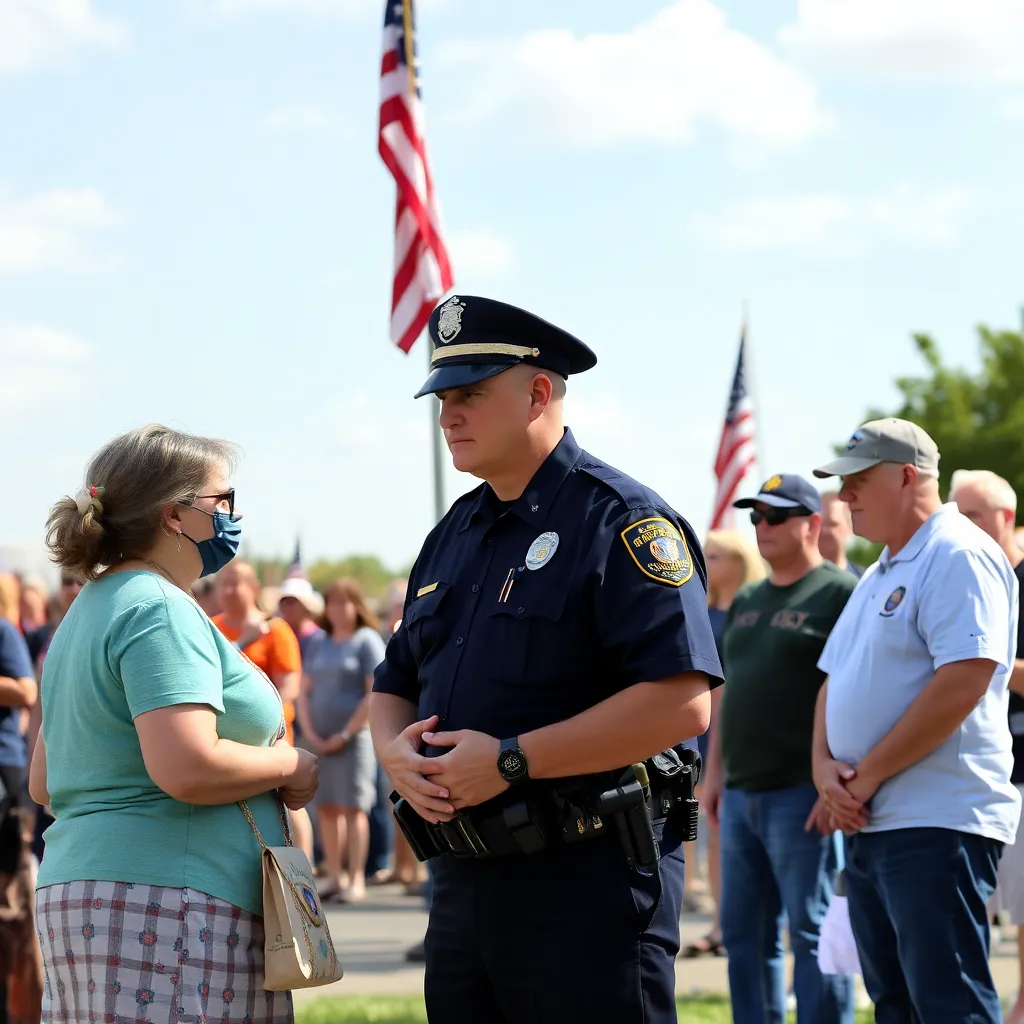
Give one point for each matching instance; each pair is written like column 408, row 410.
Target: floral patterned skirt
column 116, row 951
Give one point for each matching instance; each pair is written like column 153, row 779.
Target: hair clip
column 89, row 497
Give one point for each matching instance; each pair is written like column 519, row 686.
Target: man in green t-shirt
column 776, row 862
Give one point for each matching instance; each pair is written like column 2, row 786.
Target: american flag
column 736, row 451
column 422, row 270
column 295, row 570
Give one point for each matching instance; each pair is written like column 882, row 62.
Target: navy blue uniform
column 490, row 644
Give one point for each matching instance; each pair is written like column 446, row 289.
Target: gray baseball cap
column 888, row 440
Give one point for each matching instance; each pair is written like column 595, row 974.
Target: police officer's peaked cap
column 474, row 338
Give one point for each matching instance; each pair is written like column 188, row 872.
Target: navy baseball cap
column 475, row 338
column 785, row 490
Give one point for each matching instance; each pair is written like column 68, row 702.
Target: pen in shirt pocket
column 506, row 587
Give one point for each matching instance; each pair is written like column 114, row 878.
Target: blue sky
column 195, row 227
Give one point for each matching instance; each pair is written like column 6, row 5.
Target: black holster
column 674, row 774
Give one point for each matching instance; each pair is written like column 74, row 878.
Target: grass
column 389, row 1010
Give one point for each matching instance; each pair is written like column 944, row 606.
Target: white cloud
column 47, row 230
column 338, row 10
column 304, row 119
column 40, row 364
column 658, row 81
column 35, row 33
column 837, row 221
column 479, row 252
column 1013, row 108
column 978, row 40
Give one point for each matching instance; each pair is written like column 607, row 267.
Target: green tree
column 371, row 573
column 976, row 419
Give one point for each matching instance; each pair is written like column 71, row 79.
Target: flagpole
column 435, row 444
column 752, row 388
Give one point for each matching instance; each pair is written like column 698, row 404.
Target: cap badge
column 542, row 550
column 855, row 439
column 449, row 323
column 772, row 483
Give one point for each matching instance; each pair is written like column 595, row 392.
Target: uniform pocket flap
column 533, row 603
column 427, row 604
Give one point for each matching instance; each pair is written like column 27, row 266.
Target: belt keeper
column 528, row 835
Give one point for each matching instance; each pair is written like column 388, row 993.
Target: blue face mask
column 223, row 545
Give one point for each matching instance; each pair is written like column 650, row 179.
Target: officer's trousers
column 567, row 934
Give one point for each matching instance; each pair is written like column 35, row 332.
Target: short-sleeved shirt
column 276, row 651
column 770, row 652
column 133, row 643
column 526, row 613
column 1016, row 717
column 949, row 595
column 338, row 670
column 15, row 663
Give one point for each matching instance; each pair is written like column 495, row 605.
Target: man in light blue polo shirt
column 912, row 754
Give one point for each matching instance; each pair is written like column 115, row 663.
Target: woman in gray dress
column 332, row 709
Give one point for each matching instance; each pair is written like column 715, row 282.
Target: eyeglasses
column 225, row 502
column 776, row 516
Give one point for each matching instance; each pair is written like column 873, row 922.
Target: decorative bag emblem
column 311, row 905
column 449, row 323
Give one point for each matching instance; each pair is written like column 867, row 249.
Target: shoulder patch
column 659, row 550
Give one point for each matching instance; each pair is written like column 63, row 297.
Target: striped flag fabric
column 737, row 450
column 295, row 570
column 423, row 272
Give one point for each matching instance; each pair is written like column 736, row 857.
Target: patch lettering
column 659, row 550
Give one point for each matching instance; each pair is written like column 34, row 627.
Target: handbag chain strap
column 280, row 803
column 284, row 823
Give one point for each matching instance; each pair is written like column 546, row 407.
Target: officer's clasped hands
column 405, row 766
column 469, row 770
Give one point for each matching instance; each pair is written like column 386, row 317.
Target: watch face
column 512, row 764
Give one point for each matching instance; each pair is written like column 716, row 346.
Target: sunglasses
column 776, row 516
column 225, row 502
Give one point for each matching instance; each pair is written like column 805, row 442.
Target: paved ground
column 372, row 938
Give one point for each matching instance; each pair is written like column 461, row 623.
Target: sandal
column 706, row 946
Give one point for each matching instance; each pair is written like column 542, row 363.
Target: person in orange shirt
column 271, row 646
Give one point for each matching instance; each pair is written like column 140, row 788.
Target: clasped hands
column 437, row 787
column 843, row 797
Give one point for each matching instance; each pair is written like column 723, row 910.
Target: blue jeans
column 772, row 870
column 918, row 908
column 382, row 828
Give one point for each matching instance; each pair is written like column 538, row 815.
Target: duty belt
column 626, row 804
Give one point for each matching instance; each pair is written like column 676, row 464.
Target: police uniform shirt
column 949, row 595
column 523, row 614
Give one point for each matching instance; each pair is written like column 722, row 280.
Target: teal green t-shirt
column 132, row 643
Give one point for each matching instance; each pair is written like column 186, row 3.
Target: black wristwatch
column 512, row 764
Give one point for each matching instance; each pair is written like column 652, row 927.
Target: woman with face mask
column 149, row 900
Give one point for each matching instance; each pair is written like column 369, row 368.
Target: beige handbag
column 299, row 952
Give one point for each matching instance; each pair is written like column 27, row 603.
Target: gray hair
column 997, row 490
column 135, row 476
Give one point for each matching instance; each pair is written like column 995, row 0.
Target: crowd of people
column 796, row 754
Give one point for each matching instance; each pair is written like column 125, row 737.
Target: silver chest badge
column 541, row 550
column 449, row 322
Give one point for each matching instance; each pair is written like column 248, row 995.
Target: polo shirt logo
column 892, row 602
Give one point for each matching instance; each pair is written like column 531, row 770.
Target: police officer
column 555, row 631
